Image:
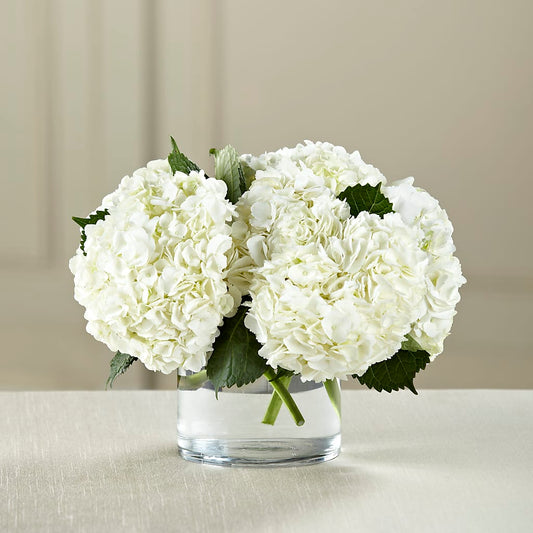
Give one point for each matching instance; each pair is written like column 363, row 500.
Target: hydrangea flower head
column 443, row 277
column 153, row 280
column 337, row 167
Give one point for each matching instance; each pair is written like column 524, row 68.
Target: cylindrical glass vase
column 229, row 430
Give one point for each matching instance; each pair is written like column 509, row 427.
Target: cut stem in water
column 334, row 393
column 275, row 402
column 280, row 389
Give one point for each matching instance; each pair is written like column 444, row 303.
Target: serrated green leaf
column 366, row 198
column 235, row 360
column 228, row 169
column 395, row 373
column 91, row 219
column 179, row 162
column 119, row 364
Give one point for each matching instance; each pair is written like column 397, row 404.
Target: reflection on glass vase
column 245, row 426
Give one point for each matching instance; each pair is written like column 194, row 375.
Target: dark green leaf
column 228, row 169
column 119, row 364
column 366, row 198
column 235, row 360
column 91, row 219
column 242, row 180
column 179, row 162
column 248, row 175
column 395, row 373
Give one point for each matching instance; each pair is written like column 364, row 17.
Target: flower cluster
column 443, row 277
column 333, row 294
column 284, row 209
column 330, row 288
column 331, row 310
column 153, row 277
column 337, row 168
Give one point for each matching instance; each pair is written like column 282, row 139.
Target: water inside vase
column 229, row 430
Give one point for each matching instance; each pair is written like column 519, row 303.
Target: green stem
column 192, row 382
column 285, row 396
column 334, row 393
column 275, row 402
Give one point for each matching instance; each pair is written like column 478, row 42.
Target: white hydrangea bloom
column 153, row 280
column 443, row 277
column 281, row 210
column 330, row 294
column 286, row 209
column 331, row 311
column 337, row 167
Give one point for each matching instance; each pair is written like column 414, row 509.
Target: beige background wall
column 92, row 89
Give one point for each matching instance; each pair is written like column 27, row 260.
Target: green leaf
column 395, row 373
column 249, row 176
column 366, row 198
column 235, row 360
column 179, row 162
column 119, row 364
column 91, row 219
column 228, row 169
column 410, row 345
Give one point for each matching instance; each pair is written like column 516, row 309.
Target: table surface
column 107, row 461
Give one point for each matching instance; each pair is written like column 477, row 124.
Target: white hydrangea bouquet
column 303, row 262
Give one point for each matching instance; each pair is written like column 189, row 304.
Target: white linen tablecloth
column 107, row 461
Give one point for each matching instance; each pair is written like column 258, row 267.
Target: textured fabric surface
column 97, row 461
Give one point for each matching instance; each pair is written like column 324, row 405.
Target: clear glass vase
column 229, row 430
